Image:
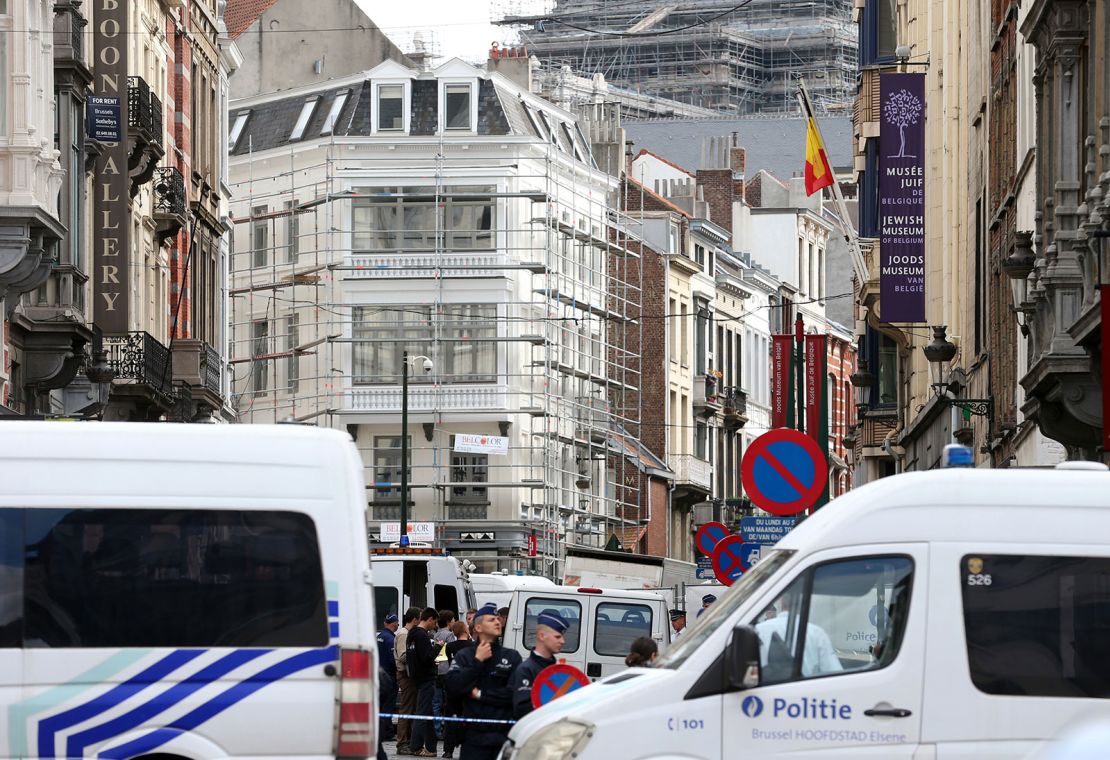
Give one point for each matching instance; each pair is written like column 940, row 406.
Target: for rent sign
column 902, row 198
column 110, row 241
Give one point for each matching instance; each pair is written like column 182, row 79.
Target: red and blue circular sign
column 784, row 472
column 708, row 536
column 556, row 681
column 728, row 560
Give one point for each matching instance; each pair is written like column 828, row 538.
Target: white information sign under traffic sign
column 481, row 444
column 421, row 532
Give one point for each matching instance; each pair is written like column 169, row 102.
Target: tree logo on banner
column 902, row 109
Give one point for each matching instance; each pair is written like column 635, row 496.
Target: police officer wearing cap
column 480, row 679
column 706, row 602
column 550, row 628
column 678, row 623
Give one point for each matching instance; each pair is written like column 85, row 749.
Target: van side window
column 386, row 602
column 838, row 617
column 1037, row 626
column 446, row 598
column 616, row 626
column 11, row 578
column 172, row 578
column 571, row 612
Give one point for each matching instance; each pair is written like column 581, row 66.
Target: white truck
column 419, row 577
column 600, row 568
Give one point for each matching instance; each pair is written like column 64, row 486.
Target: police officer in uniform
column 550, row 627
column 480, row 680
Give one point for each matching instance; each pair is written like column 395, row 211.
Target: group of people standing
column 463, row 667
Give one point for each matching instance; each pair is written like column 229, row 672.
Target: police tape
column 448, row 718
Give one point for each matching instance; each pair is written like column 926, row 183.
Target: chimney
column 513, row 63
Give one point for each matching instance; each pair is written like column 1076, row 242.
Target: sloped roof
column 240, row 14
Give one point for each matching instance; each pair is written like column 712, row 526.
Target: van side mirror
column 742, row 658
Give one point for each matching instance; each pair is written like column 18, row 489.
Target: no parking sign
column 784, row 472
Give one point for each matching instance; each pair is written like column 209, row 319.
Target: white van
column 185, row 591
column 942, row 615
column 498, row 587
column 419, row 577
column 603, row 623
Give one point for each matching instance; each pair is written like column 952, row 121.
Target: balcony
column 169, row 202
column 199, row 367
column 144, row 131
column 707, row 400
column 691, row 473
column 69, row 38
column 425, row 398
column 734, row 407
column 394, row 265
column 144, row 376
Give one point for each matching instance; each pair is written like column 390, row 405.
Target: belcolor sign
column 110, row 180
column 902, row 197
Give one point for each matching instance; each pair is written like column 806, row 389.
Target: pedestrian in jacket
column 406, row 692
column 550, row 628
column 422, row 670
column 387, row 660
column 481, row 678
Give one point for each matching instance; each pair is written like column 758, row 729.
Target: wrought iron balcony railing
column 139, row 115
column 138, row 358
column 213, row 367
column 169, row 191
column 156, row 117
column 735, row 406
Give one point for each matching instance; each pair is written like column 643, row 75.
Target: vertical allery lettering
column 902, row 198
column 110, row 243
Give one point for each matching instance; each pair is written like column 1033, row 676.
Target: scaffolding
column 516, row 277
column 745, row 62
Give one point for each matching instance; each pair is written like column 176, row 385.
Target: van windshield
column 721, row 610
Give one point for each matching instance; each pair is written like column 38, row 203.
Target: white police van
column 951, row 614
column 184, row 591
column 602, row 623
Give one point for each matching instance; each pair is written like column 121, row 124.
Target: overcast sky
column 459, row 27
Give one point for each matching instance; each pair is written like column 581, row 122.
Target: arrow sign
column 784, row 472
column 556, row 681
column 728, row 561
column 708, row 535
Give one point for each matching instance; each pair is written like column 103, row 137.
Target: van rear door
column 842, row 659
column 614, row 624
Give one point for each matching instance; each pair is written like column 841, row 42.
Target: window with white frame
column 457, row 106
column 333, row 113
column 260, row 348
column 237, row 129
column 260, row 237
column 293, row 374
column 469, row 474
column 302, row 120
column 387, row 468
column 465, row 352
column 416, row 218
column 391, row 108
column 292, row 232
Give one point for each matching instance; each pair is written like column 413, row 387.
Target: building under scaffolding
column 456, row 216
column 697, row 52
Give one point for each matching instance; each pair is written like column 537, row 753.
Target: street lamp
column 427, row 365
column 862, row 382
column 940, row 353
column 1018, row 266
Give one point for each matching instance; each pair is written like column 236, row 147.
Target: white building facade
column 458, row 217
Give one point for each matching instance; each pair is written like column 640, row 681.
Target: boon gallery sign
column 110, row 180
column 902, row 198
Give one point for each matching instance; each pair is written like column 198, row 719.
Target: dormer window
column 391, row 107
column 333, row 113
column 457, row 105
column 237, row 129
column 302, row 120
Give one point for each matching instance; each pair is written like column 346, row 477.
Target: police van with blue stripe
column 185, row 591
